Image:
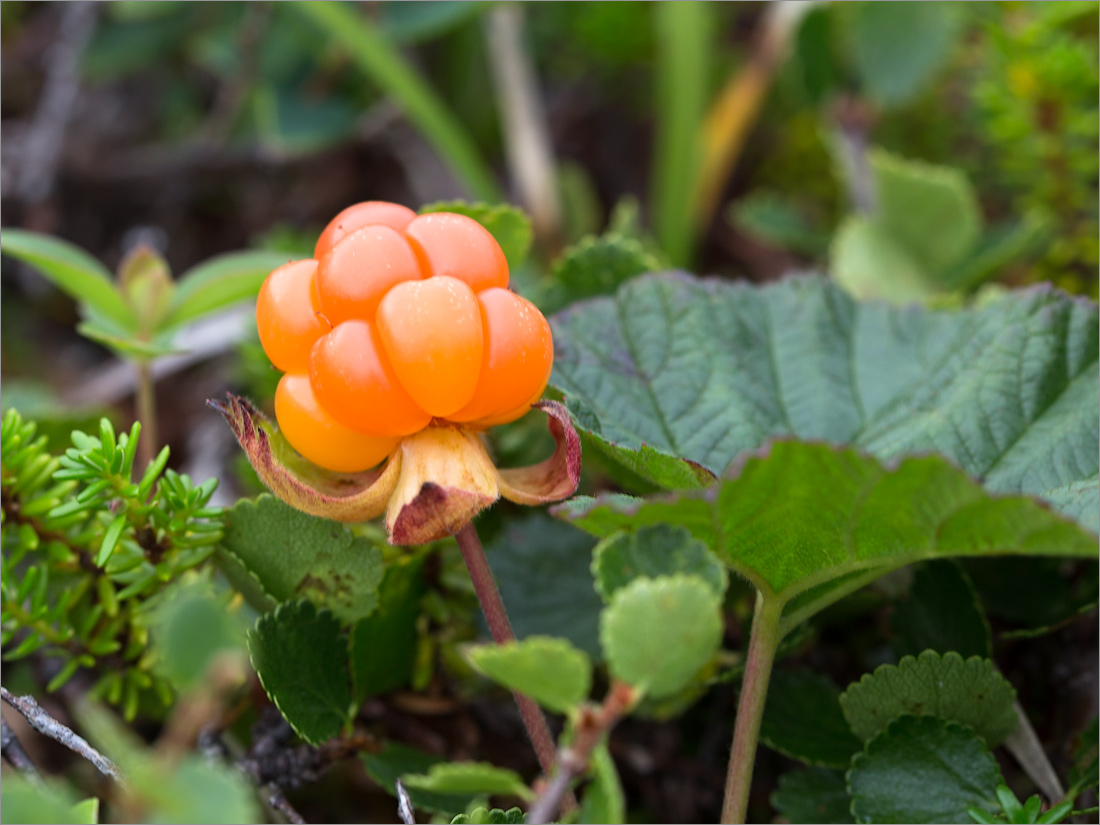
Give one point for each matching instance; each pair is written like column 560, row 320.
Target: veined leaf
column 70, row 269
column 688, row 374
column 812, row 522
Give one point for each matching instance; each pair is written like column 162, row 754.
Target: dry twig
column 42, row 722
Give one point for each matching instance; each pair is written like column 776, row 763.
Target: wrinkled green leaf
column 821, row 521
column 943, row 613
column 474, row 778
column 551, row 671
column 803, row 720
column 813, row 795
column 603, row 801
column 923, row 769
column 702, row 370
column 508, row 224
column 395, row 761
column 657, row 550
column 383, row 645
column 70, row 269
column 968, row 691
column 219, row 282
column 597, row 265
column 657, row 634
column 896, row 47
column 544, row 577
column 301, row 660
column 295, row 555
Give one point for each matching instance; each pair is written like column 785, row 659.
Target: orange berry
column 431, row 331
column 354, row 382
column 368, row 213
column 318, row 436
column 286, row 315
column 458, row 247
column 353, row 277
column 518, row 356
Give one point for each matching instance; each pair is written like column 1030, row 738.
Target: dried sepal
column 557, row 477
column 348, row 497
column 433, row 484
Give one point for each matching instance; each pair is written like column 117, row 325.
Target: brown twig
column 592, row 726
column 277, row 800
column 42, row 722
column 12, row 750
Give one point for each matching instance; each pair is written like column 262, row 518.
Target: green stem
column 146, row 414
column 763, row 641
column 501, row 629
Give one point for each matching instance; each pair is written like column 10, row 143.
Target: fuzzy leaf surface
column 658, row 633
column 923, row 769
column 301, row 660
column 803, row 517
column 970, row 692
column 657, row 550
column 295, row 555
column 551, row 671
column 690, row 373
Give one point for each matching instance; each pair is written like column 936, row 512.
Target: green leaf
column 803, row 720
column 21, row 801
column 931, row 211
column 597, row 265
column 604, row 801
column 970, row 692
column 473, row 778
column 145, row 281
column 813, row 795
column 685, row 37
column 219, row 282
column 659, row 633
column 110, row 540
column 507, row 223
column 923, row 769
column 71, row 270
column 196, row 790
column 345, row 30
column 383, row 645
column 295, row 555
column 821, row 521
column 869, row 264
column 551, row 671
column 415, row 22
column 125, row 344
column 658, row 550
column 301, row 660
column 896, row 47
column 86, row 812
column 190, row 629
column 941, row 613
column 703, row 370
column 544, row 576
column 395, row 761
column 485, row 816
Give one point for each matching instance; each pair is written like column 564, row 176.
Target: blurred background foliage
column 958, row 142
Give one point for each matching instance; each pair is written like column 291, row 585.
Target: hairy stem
column 146, row 414
column 501, row 629
column 763, row 641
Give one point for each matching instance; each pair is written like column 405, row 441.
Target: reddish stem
column 497, row 618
